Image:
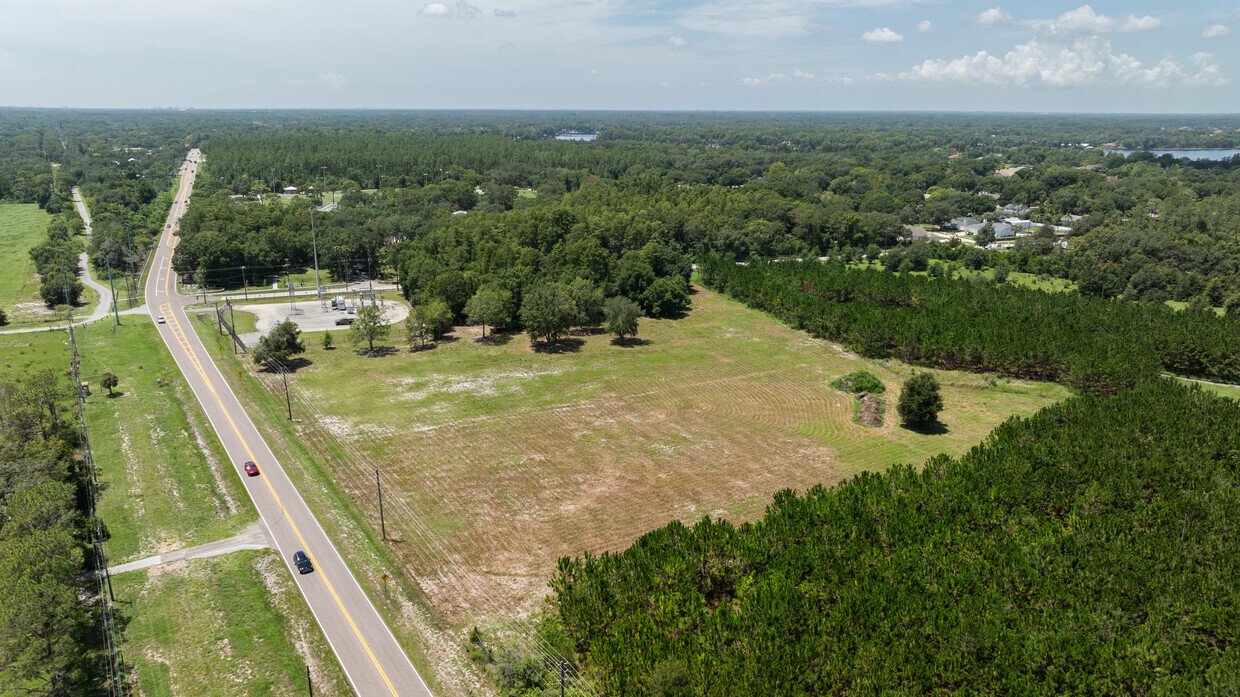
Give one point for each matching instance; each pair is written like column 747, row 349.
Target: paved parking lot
column 312, row 317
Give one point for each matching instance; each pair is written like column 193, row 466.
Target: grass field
column 22, row 226
column 516, row 458
column 165, row 484
column 229, row 625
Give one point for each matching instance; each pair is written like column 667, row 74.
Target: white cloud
column 465, row 10
column 1215, row 31
column 1135, row 23
column 1083, row 21
column 333, row 81
column 435, row 9
column 883, row 35
column 677, row 42
column 778, row 79
column 924, row 26
column 1085, row 61
column 505, row 14
column 994, row 17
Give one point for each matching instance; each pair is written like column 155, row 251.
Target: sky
column 821, row 55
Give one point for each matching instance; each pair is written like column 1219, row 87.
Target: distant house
column 1008, row 171
column 290, row 190
column 955, row 156
column 1019, row 223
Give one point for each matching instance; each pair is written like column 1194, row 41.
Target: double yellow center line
column 174, row 326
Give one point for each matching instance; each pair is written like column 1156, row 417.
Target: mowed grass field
column 22, row 226
column 515, row 458
column 228, row 625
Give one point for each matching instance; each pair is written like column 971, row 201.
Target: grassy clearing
column 518, row 458
column 1229, row 391
column 1020, row 278
column 22, row 226
column 229, row 625
column 176, row 487
column 164, row 484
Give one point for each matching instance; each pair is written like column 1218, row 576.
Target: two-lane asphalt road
column 372, row 658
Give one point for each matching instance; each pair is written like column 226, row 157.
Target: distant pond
column 1190, row 154
column 576, row 136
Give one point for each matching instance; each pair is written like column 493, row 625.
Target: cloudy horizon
column 796, row 55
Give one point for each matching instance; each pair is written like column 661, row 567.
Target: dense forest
column 1088, row 548
column 1088, row 343
column 48, row 638
column 1143, row 227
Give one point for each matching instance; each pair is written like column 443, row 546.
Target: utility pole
column 309, row 685
column 563, row 665
column 115, row 312
column 287, row 401
column 219, row 320
column 129, row 237
column 245, row 282
column 318, row 287
column 379, row 487
column 232, row 320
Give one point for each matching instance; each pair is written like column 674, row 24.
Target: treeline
column 1088, row 548
column 56, row 260
column 1090, row 344
column 47, row 635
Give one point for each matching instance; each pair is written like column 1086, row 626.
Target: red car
column 251, row 469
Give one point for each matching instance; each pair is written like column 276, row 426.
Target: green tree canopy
column 920, row 401
column 280, row 344
column 548, row 312
column 620, row 317
column 368, row 325
column 488, row 306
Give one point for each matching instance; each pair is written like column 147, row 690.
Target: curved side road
column 372, row 658
column 105, row 295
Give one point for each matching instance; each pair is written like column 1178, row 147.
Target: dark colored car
column 345, row 320
column 251, row 469
column 302, row 562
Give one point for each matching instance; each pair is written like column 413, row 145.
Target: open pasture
column 514, row 458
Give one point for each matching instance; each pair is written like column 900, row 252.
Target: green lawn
column 516, row 458
column 22, row 226
column 165, row 483
column 228, row 625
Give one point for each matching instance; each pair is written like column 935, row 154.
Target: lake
column 576, row 136
column 1190, row 154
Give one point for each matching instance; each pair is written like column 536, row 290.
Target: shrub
column 860, row 381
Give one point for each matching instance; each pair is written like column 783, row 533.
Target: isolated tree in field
column 920, row 401
column 327, row 341
column 439, row 316
column 588, row 298
column 280, row 344
column 4, row 319
column 367, row 326
column 488, row 306
column 108, row 380
column 418, row 326
column 620, row 317
column 548, row 312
